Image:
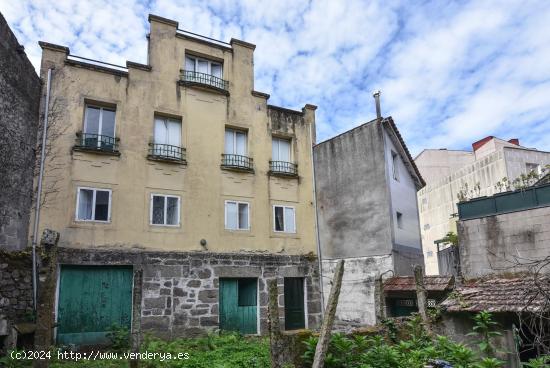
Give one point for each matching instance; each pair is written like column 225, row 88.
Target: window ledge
column 282, row 174
column 167, row 160
column 237, row 169
column 203, row 86
column 96, row 151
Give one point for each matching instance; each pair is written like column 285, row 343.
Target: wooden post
column 328, row 320
column 421, row 293
column 275, row 338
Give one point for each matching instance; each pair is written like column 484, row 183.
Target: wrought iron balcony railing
column 283, row 168
column 190, row 76
column 230, row 161
column 159, row 151
column 96, row 142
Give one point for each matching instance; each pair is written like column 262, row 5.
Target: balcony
column 208, row 81
column 96, row 143
column 237, row 162
column 166, row 152
column 283, row 168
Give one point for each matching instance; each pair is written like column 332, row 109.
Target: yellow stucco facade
column 138, row 94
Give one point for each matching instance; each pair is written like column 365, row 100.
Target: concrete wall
column 437, row 201
column 434, row 164
column 179, row 290
column 403, row 199
column 359, row 300
column 502, row 243
column 141, row 93
column 352, row 194
column 19, row 104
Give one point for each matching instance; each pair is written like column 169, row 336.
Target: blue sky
column 450, row 72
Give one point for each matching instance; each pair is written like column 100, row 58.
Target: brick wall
column 496, row 244
column 19, row 102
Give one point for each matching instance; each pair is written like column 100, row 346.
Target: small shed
column 520, row 304
column 400, row 293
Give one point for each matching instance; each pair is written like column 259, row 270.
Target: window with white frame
column 167, row 131
column 165, row 210
column 237, row 215
column 532, row 167
column 280, row 149
column 99, row 121
column 395, row 165
column 93, row 205
column 284, row 219
column 235, row 142
column 200, row 65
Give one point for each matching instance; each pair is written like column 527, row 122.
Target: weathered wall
column 457, row 326
column 202, row 185
column 179, row 290
column 498, row 243
column 19, row 103
column 359, row 300
column 15, row 293
column 352, row 194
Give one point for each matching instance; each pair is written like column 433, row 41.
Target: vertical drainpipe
column 318, row 238
column 39, row 192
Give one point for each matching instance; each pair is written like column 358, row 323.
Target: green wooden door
column 239, row 305
column 294, row 303
column 91, row 300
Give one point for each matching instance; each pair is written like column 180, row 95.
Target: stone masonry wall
column 19, row 103
column 501, row 243
column 15, row 291
column 180, row 289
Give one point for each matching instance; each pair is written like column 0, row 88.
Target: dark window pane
column 108, row 123
column 279, row 223
column 158, row 210
column 247, row 291
column 172, row 211
column 102, row 205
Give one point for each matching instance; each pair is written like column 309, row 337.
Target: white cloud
column 450, row 71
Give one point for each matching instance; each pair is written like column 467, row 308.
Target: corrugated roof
column 519, row 294
column 431, row 283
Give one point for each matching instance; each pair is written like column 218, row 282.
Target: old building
column 450, row 174
column 19, row 103
column 177, row 183
column 366, row 184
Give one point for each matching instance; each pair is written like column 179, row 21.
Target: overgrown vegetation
column 417, row 350
column 408, row 346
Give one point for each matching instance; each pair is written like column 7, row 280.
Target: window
column 93, row 205
column 399, row 216
column 426, row 226
column 429, row 253
column 280, row 150
column 247, row 291
column 395, row 167
column 167, row 131
column 533, row 168
column 99, row 121
column 199, row 65
column 284, row 219
column 165, row 210
column 237, row 215
column 235, row 142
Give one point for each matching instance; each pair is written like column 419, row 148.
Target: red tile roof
column 498, row 294
column 431, row 283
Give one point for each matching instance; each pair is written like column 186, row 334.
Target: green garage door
column 239, row 305
column 91, row 300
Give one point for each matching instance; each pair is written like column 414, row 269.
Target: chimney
column 514, row 141
column 376, row 96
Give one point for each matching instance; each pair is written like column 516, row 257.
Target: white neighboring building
column 446, row 172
